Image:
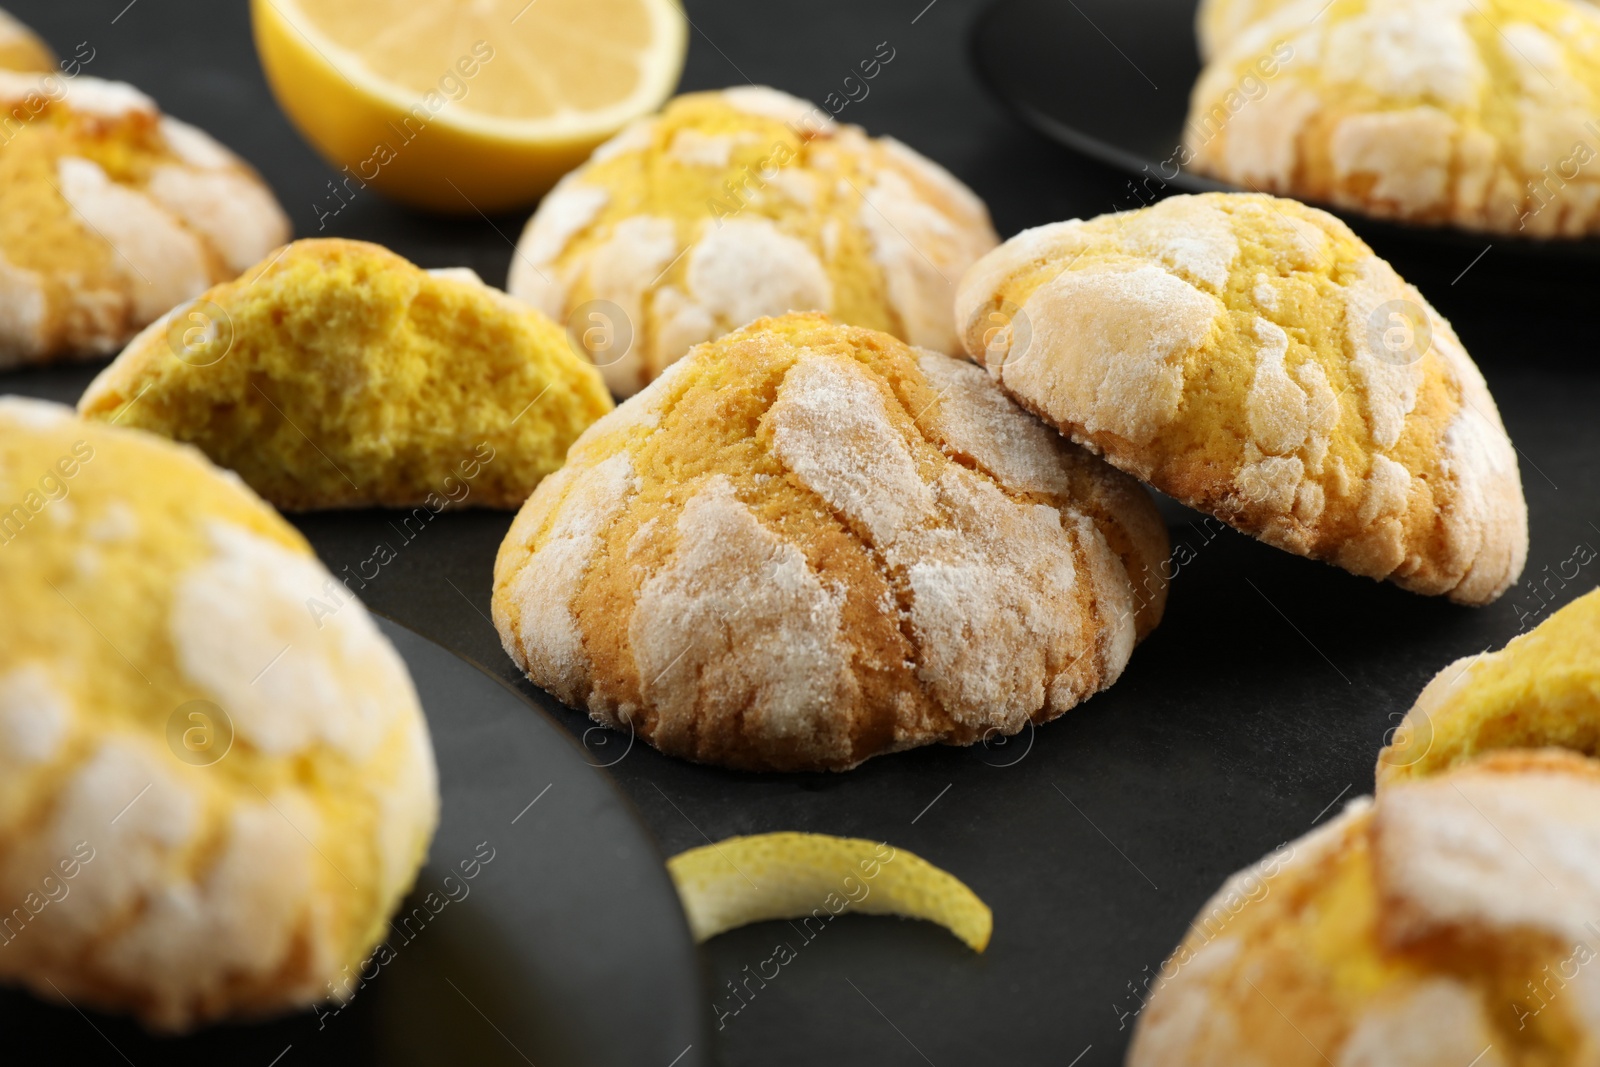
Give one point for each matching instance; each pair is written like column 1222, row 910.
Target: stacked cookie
column 807, row 544
column 1451, row 920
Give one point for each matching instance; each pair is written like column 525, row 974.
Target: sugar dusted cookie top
column 1253, row 358
column 1471, row 113
column 111, row 214
column 808, row 544
column 21, row 49
column 1449, row 923
column 737, row 204
column 1220, row 22
column 211, row 796
column 337, row 374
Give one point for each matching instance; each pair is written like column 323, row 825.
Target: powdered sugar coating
column 777, row 207
column 35, row 718
column 1116, row 342
column 747, row 268
column 1509, row 852
column 751, row 612
column 163, row 264
column 1226, row 370
column 189, row 882
column 548, row 642
column 290, row 679
column 1455, row 112
column 738, row 619
column 1439, row 1023
column 141, row 212
column 1449, row 922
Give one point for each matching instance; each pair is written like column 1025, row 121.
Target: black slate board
column 543, row 906
column 1261, row 700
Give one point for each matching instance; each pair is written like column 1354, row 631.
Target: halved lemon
column 811, row 878
column 465, row 105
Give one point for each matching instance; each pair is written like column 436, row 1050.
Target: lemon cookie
column 737, row 204
column 808, row 544
column 1450, row 923
column 337, row 374
column 20, row 47
column 1472, row 113
column 111, row 214
column 1542, row 689
column 1253, row 358
column 1220, row 22
column 211, row 798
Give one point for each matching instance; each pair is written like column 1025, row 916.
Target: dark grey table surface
column 1254, row 711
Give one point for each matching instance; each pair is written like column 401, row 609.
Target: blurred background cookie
column 20, row 49
column 1541, row 690
column 111, row 214
column 809, row 544
column 1471, row 114
column 737, row 204
column 1219, row 22
column 211, row 799
column 337, row 374
column 1450, row 923
column 1251, row 357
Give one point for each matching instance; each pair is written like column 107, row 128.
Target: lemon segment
column 746, row 880
column 466, row 105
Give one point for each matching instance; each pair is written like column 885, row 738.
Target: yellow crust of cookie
column 1541, row 690
column 111, row 214
column 1471, row 113
column 337, row 374
column 180, row 868
column 1420, row 931
column 809, row 544
column 1234, row 351
column 21, row 48
column 737, row 204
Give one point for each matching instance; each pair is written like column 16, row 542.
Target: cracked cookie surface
column 111, row 214
column 212, row 796
column 1449, row 922
column 737, row 204
column 1253, row 358
column 808, row 544
column 1471, row 113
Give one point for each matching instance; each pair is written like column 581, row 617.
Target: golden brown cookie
column 111, row 214
column 336, row 374
column 1451, row 923
column 1253, row 358
column 1541, row 690
column 737, row 204
column 808, row 544
column 212, row 796
column 1472, row 113
column 21, row 49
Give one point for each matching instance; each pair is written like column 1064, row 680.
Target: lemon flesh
column 466, row 105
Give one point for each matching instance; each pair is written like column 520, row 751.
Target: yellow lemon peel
column 745, row 880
